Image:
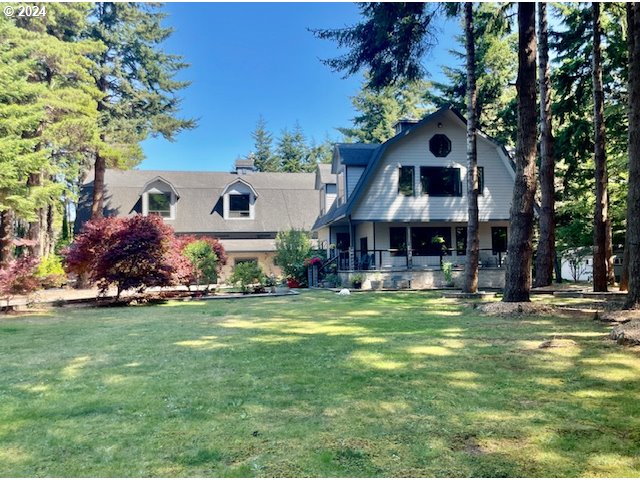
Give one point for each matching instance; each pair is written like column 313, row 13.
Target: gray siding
column 380, row 199
column 353, row 175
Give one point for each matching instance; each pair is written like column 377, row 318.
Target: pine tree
column 138, row 87
column 545, row 253
column 292, row 150
column 633, row 198
column 379, row 110
column 518, row 268
column 265, row 161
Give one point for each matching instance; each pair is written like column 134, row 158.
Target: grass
column 378, row 384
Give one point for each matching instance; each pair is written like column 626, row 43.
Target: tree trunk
column 473, row 240
column 6, row 237
column 633, row 196
column 520, row 248
column 34, row 231
column 601, row 213
column 608, row 243
column 624, row 276
column 546, row 245
column 97, row 205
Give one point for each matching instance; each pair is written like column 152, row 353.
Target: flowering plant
column 312, row 261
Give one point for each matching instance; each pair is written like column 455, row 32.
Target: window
column 430, row 240
column 238, row 261
column 440, row 145
column 498, row 239
column 440, row 181
column 405, row 184
column 239, row 206
column 160, row 204
column 398, row 241
column 331, row 188
column 461, row 240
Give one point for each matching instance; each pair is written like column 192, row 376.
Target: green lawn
column 378, row 384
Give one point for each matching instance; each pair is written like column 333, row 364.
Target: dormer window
column 239, row 205
column 239, row 200
column 159, row 197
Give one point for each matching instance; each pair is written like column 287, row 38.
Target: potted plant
column 356, row 280
column 376, row 281
column 448, row 274
column 332, row 280
column 270, row 283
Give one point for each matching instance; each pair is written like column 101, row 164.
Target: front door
column 343, row 241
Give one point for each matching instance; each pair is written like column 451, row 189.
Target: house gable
column 376, row 196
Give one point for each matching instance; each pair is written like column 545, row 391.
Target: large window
column 430, row 240
column 239, row 206
column 405, row 184
column 331, row 188
column 398, row 241
column 440, row 181
column 160, row 204
column 498, row 239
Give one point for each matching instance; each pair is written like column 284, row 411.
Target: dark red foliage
column 18, row 278
column 130, row 253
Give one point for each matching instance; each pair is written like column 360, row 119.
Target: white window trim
column 173, row 204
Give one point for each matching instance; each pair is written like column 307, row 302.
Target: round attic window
column 440, row 145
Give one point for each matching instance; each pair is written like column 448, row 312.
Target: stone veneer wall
column 487, row 278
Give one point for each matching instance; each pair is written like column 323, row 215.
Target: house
column 399, row 208
column 245, row 209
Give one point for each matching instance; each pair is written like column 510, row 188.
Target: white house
column 401, row 206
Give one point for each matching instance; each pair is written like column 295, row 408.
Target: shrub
column 18, row 278
column 186, row 272
column 130, row 253
column 447, row 273
column 292, row 248
column 247, row 274
column 204, row 261
column 50, row 272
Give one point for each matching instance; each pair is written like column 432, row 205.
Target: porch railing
column 391, row 259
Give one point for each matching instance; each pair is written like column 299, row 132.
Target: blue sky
column 251, row 59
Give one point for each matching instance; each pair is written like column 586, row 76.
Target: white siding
column 353, row 175
column 380, row 199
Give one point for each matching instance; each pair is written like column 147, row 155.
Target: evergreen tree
column 379, row 110
column 495, row 66
column 265, row 161
column 136, row 79
column 633, row 199
column 518, row 268
column 49, row 118
column 601, row 244
column 292, row 151
column 545, row 254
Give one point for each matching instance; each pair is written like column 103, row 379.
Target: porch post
column 409, row 249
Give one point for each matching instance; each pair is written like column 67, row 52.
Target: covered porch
column 410, row 246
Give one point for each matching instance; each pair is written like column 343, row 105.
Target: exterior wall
column 265, row 260
column 352, row 176
column 381, row 201
column 487, row 278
